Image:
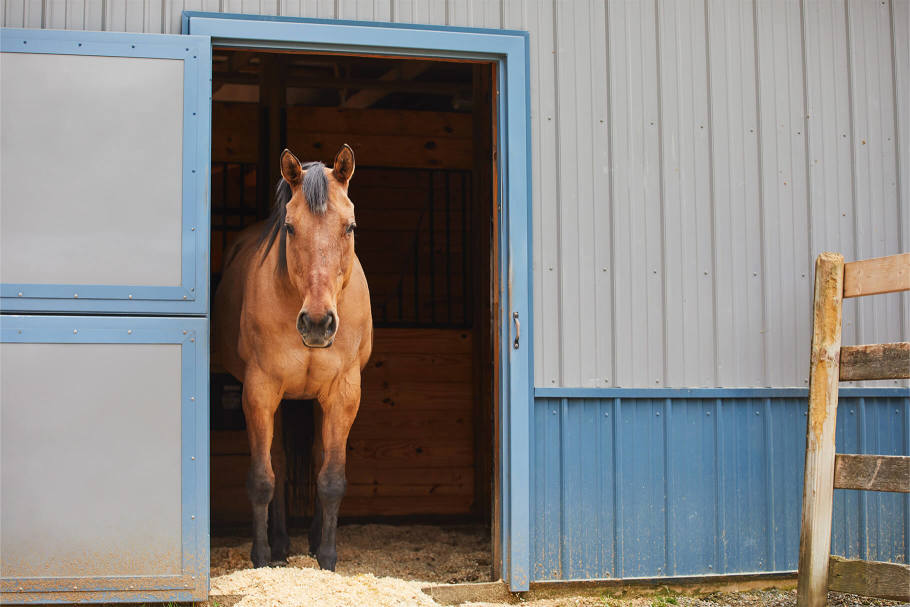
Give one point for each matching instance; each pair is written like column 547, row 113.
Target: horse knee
column 331, row 486
column 260, row 486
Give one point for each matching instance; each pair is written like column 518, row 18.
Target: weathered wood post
column 818, row 487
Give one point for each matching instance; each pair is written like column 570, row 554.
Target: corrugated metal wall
column 690, row 160
column 651, row 487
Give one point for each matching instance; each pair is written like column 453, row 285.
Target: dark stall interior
column 422, row 446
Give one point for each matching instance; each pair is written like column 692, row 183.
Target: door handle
column 517, row 330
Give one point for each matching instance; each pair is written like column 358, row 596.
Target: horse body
column 292, row 320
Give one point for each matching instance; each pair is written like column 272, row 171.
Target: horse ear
column 344, row 164
column 290, row 168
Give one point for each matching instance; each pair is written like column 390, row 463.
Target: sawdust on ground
column 388, row 565
column 381, row 565
column 427, row 553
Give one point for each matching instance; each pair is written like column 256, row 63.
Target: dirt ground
column 388, row 566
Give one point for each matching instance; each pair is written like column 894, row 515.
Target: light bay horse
column 292, row 320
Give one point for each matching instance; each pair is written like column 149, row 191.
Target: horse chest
column 307, row 372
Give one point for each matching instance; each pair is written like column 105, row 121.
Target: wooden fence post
column 824, row 376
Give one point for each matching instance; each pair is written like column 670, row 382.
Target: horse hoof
column 260, row 556
column 327, row 561
column 280, row 552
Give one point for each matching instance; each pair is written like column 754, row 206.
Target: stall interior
column 422, row 446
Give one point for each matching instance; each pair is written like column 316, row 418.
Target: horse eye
column 289, row 228
column 351, row 228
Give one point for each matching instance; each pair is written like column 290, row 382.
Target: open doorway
column 422, row 447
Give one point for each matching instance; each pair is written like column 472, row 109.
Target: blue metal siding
column 677, row 486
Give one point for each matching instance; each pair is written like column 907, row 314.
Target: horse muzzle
column 317, row 332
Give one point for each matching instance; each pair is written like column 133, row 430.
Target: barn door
column 105, row 145
column 103, row 317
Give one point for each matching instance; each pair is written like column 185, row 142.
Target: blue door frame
column 509, row 51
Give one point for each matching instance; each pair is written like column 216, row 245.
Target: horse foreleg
column 260, row 401
column 315, row 535
column 338, row 411
column 279, row 541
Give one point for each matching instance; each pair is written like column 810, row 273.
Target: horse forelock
column 315, row 188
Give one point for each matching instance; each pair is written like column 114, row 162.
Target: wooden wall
column 411, row 449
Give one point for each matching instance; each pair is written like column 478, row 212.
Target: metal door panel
column 104, row 457
column 105, row 140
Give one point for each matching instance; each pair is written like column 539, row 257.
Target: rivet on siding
column 130, row 295
column 193, row 458
column 554, row 411
column 606, row 414
column 851, row 411
column 708, row 413
column 193, row 229
column 20, row 293
column 20, row 331
column 192, row 339
column 75, row 295
column 184, row 332
column 184, row 297
column 193, row 516
column 75, row 331
column 193, row 289
column 129, row 331
column 192, row 398
column 756, row 413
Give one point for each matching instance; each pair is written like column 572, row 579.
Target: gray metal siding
column 690, row 159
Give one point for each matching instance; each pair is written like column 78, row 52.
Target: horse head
column 318, row 235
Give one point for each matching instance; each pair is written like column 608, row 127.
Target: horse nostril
column 331, row 323
column 302, row 323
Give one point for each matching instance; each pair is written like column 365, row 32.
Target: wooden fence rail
column 826, row 470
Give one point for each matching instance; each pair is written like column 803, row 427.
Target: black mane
column 316, row 192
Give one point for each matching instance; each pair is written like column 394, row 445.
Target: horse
column 292, row 320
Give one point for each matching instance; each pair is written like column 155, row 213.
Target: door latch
column 517, row 330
